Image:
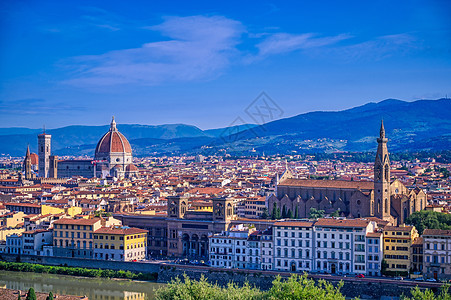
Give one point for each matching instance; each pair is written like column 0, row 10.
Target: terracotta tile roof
column 396, row 228
column 333, row 184
column 436, row 232
column 294, row 224
column 374, row 234
column 120, row 230
column 342, row 223
column 77, row 221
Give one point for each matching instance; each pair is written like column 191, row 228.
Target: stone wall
column 263, row 280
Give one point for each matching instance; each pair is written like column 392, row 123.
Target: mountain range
column 410, row 126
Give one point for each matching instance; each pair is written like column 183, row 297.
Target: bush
column 75, row 271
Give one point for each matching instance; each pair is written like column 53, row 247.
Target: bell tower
column 44, row 150
column 177, row 206
column 27, row 164
column 223, row 209
column 382, row 178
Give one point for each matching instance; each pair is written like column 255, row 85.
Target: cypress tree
column 296, row 212
column 31, row 295
column 284, row 212
column 278, row 216
column 274, row 212
column 290, row 214
column 50, row 296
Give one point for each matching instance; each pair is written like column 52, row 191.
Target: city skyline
column 203, row 65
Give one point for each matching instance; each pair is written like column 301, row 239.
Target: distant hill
column 418, row 125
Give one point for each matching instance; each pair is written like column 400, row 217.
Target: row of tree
column 295, row 287
column 277, row 213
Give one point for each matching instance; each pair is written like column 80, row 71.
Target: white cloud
column 283, row 43
column 198, row 47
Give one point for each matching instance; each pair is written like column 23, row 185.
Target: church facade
column 382, row 198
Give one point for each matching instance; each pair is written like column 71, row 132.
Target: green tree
column 316, row 213
column 428, row 294
column 274, row 212
column 384, row 267
column 290, row 214
column 18, row 297
column 296, row 213
column 336, row 213
column 31, row 295
column 265, row 214
column 278, row 214
column 50, row 296
column 284, row 212
column 427, row 219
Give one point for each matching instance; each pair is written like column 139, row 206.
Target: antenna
column 44, row 128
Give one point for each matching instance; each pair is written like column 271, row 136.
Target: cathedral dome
column 113, row 142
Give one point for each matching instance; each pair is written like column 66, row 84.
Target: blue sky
column 203, row 63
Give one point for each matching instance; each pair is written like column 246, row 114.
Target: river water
column 94, row 288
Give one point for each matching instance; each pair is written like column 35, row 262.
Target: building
column 397, row 248
column 74, row 237
column 437, row 253
column 120, row 243
column 34, row 241
column 374, row 244
column 253, row 250
column 254, row 207
column 112, row 158
column 267, row 256
column 382, row 198
column 44, row 152
column 182, row 232
column 417, row 256
column 228, row 248
column 340, row 245
column 14, row 244
column 293, row 246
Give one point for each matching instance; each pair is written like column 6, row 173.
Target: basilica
column 382, row 198
column 112, row 158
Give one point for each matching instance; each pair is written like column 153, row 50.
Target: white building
column 33, row 241
column 267, row 249
column 293, row 242
column 14, row 244
column 340, row 245
column 228, row 249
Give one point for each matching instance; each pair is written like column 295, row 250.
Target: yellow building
column 74, row 237
column 12, row 219
column 120, row 243
column 397, row 248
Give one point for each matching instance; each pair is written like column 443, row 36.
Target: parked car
column 419, row 279
column 431, row 280
column 360, row 276
column 399, row 278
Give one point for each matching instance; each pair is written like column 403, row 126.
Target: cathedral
column 382, row 198
column 112, row 158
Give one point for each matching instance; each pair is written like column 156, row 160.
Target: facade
column 253, row 251
column 228, row 248
column 74, row 237
column 437, row 253
column 397, row 248
column 34, row 241
column 293, row 246
column 254, row 207
column 182, row 232
column 417, row 256
column 14, row 244
column 382, row 198
column 267, row 249
column 120, row 243
column 374, row 244
column 44, row 152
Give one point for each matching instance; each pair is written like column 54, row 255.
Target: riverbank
column 75, row 271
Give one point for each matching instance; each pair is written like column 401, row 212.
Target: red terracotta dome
column 113, row 141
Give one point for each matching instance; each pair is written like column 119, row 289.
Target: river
column 94, row 288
